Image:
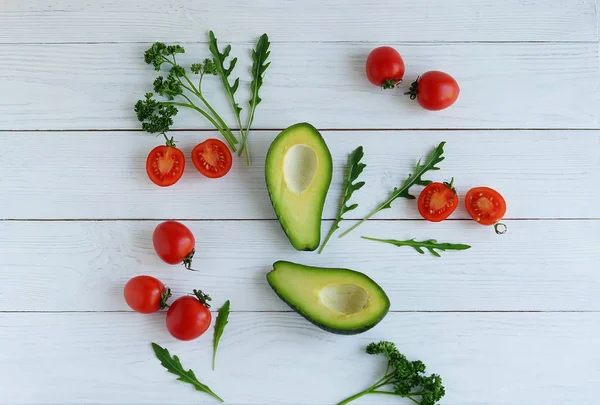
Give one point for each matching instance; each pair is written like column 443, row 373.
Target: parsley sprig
column 179, row 90
column 355, row 168
column 430, row 245
column 434, row 158
column 402, row 378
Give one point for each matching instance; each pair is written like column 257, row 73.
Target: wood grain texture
column 493, row 359
column 102, row 174
column 62, row 21
column 83, row 266
column 502, row 86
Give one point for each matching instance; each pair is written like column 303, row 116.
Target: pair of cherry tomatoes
column 438, row 201
column 165, row 163
column 188, row 317
column 433, row 90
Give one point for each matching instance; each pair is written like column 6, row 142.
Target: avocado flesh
column 337, row 300
column 298, row 172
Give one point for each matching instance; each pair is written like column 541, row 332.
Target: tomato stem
column 451, row 185
column 170, row 142
column 187, row 261
column 203, row 298
column 390, row 84
column 164, row 298
column 414, row 89
column 500, row 228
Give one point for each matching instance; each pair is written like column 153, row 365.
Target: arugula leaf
column 429, row 244
column 173, row 366
column 404, row 378
column 260, row 54
column 435, row 157
column 355, row 168
column 222, row 320
column 224, row 73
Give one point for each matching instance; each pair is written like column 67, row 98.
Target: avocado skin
column 337, row 331
column 301, row 247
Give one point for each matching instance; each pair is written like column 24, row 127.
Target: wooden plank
column 61, row 21
column 97, row 175
column 83, row 266
column 502, row 86
column 274, row 358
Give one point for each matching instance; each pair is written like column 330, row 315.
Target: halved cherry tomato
column 212, row 158
column 165, row 165
column 437, row 201
column 385, row 67
column 146, row 294
column 485, row 205
column 434, row 90
column 174, row 243
column 189, row 317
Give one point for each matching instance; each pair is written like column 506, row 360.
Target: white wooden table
column 514, row 320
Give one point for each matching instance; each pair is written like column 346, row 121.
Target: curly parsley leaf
column 173, row 366
column 222, row 320
column 156, row 118
column 355, row 168
column 430, row 245
column 402, row 378
column 435, row 157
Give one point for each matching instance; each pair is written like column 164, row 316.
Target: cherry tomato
column 385, row 67
column 485, row 205
column 174, row 243
column 434, row 90
column 165, row 165
column 189, row 317
column 437, row 201
column 145, row 294
column 212, row 158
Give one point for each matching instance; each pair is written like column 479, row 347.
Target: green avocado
column 340, row 301
column 298, row 172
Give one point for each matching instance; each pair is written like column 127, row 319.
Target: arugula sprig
column 435, row 157
column 224, row 73
column 406, row 378
column 222, row 320
column 355, row 168
column 173, row 366
column 179, row 90
column 430, row 245
column 260, row 54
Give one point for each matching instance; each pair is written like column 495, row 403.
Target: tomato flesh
column 144, row 294
column 174, row 243
column 485, row 205
column 385, row 67
column 212, row 158
column 188, row 318
column 437, row 202
column 165, row 165
column 436, row 90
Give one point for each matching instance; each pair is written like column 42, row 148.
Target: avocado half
column 298, row 172
column 340, row 301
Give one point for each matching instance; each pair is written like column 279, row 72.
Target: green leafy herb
column 429, row 244
column 403, row 378
column 260, row 54
column 355, row 168
column 155, row 115
column 222, row 320
column 173, row 365
column 224, row 73
column 416, row 178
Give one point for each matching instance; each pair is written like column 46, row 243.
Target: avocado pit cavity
column 347, row 299
column 299, row 167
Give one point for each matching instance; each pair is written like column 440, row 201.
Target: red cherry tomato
column 174, row 243
column 437, row 201
column 485, row 205
column 189, row 317
column 165, row 165
column 212, row 158
column 434, row 90
column 145, row 294
column 385, row 67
